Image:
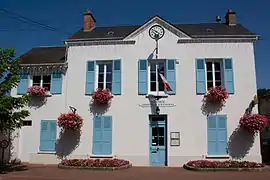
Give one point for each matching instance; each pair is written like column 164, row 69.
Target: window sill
column 217, row 157
column 160, row 94
column 46, row 152
column 101, row 156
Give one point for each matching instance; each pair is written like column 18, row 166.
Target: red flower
column 37, row 91
column 253, row 122
column 102, row 96
column 217, row 94
column 95, row 162
column 70, row 121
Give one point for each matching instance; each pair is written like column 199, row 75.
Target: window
column 156, row 67
column 214, row 73
column 43, row 81
column 104, row 75
column 27, row 123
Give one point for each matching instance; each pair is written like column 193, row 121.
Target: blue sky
column 66, row 17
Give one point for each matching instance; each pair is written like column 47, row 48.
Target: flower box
column 216, row 94
column 205, row 165
column 101, row 96
column 253, row 122
column 95, row 164
column 70, row 121
column 38, row 91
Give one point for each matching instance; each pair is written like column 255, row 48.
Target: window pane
column 109, row 67
column 109, row 86
column 209, row 84
column 100, row 77
column 160, row 86
column 100, row 85
column 218, row 83
column 217, row 66
column 101, row 68
column 153, row 67
column 209, row 76
column 217, row 76
column 47, row 86
column 153, row 76
column 209, row 66
column 109, row 77
column 161, row 67
column 36, row 80
column 153, row 86
column 46, row 79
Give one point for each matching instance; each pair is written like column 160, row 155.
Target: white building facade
column 191, row 57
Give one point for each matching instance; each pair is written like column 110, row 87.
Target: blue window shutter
column 228, row 75
column 56, row 83
column 171, row 74
column 90, row 77
column 23, row 84
column 142, row 77
column 107, row 135
column 97, row 136
column 212, row 135
column 47, row 135
column 222, row 134
column 200, row 76
column 116, row 84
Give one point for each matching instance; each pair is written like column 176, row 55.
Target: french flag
column 165, row 82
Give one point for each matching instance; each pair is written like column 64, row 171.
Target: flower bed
column 37, row 91
column 216, row 94
column 102, row 96
column 253, row 122
column 205, row 165
column 95, row 164
column 70, row 121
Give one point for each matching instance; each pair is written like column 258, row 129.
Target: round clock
column 156, row 32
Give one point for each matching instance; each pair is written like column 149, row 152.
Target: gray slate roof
column 44, row 55
column 193, row 30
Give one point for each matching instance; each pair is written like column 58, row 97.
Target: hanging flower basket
column 70, row 121
column 253, row 122
column 37, row 91
column 102, row 96
column 216, row 94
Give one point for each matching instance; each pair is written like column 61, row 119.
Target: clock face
column 156, row 32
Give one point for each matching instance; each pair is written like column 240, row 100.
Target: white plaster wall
column 130, row 121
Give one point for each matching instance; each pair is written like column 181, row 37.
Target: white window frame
column 160, row 93
column 41, row 80
column 105, row 72
column 213, row 71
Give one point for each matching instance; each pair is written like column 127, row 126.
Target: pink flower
column 217, row 94
column 37, row 91
column 253, row 122
column 70, row 121
column 102, row 96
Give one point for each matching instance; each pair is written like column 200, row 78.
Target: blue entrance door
column 158, row 151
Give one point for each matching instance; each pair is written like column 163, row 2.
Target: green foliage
column 11, row 108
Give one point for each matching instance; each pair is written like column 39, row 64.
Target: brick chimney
column 89, row 21
column 230, row 18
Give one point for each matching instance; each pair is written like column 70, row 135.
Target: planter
column 205, row 165
column 223, row 169
column 101, row 96
column 95, row 168
column 216, row 95
column 253, row 122
column 70, row 121
column 95, row 164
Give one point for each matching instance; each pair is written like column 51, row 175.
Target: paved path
column 135, row 173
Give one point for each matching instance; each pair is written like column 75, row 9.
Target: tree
column 11, row 108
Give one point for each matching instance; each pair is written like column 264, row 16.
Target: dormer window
column 43, row 81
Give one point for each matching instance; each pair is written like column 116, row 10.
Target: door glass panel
column 154, row 136
column 158, row 136
column 161, row 136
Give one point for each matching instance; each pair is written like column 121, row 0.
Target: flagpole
column 157, row 67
